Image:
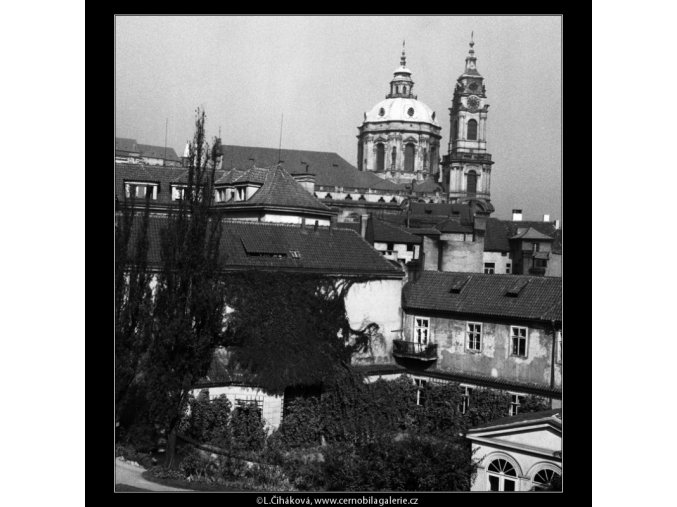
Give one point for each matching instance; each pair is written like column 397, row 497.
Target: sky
column 324, row 72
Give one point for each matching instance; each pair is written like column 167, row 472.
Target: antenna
column 279, row 149
column 165, row 156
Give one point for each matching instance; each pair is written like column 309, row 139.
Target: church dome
column 401, row 109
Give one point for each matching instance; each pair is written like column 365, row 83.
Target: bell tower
column 466, row 169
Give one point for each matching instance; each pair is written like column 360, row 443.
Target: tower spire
column 403, row 58
column 470, row 60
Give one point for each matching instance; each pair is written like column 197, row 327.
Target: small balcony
column 413, row 350
column 537, row 271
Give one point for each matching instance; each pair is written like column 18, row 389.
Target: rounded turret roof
column 401, row 109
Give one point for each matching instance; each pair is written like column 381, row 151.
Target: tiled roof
column 443, row 210
column 423, row 231
column 539, row 299
column 530, row 233
column 340, row 252
column 330, row 169
column 554, row 416
column 355, row 226
column 146, row 150
column 281, row 189
column 251, row 175
column 378, row 230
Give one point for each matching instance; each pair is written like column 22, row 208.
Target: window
column 380, row 157
column 515, row 401
column 410, row 248
column 474, row 336
column 465, row 399
column 393, row 157
column 508, row 268
column 502, row 476
column 421, row 330
column 409, row 151
column 544, row 478
column 489, row 268
column 472, row 130
column 420, row 392
column 178, row 193
column 535, row 246
column 391, row 246
column 519, row 341
column 558, row 336
column 471, row 183
column 295, row 254
column 141, row 190
column 540, row 263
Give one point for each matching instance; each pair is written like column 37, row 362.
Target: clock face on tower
column 473, row 102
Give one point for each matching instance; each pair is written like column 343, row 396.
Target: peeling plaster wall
column 495, row 357
column 462, row 256
column 377, row 301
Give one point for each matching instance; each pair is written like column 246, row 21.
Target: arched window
column 433, row 158
column 472, row 130
column 546, row 479
column 409, row 151
column 393, row 157
column 360, row 154
column 502, row 476
column 380, row 156
column 472, row 183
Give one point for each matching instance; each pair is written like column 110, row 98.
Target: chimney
column 517, row 215
column 546, row 218
column 557, row 224
column 306, row 180
column 363, row 225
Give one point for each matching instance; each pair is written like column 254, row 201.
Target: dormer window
column 140, row 190
column 241, row 194
column 178, row 192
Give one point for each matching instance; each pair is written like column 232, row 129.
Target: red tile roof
column 539, row 300
column 281, row 189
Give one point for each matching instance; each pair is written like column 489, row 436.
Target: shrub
column 248, row 431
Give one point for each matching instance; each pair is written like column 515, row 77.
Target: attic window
column 458, row 284
column 428, row 212
column 264, row 247
column 348, row 198
column 515, row 290
column 295, row 254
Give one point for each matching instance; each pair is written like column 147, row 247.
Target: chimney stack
column 517, row 215
column 546, row 218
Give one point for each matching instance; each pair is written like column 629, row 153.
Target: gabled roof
column 539, row 299
column 247, row 245
column 383, row 232
column 553, row 416
column 530, row 233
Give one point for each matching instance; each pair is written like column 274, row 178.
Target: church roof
column 123, row 146
column 398, row 109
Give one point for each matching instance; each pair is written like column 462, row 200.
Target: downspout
column 554, row 355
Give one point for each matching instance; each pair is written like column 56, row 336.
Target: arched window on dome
column 471, row 186
column 409, row 151
column 502, row 476
column 380, row 157
column 472, row 130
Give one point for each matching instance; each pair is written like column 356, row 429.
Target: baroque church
column 399, row 139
